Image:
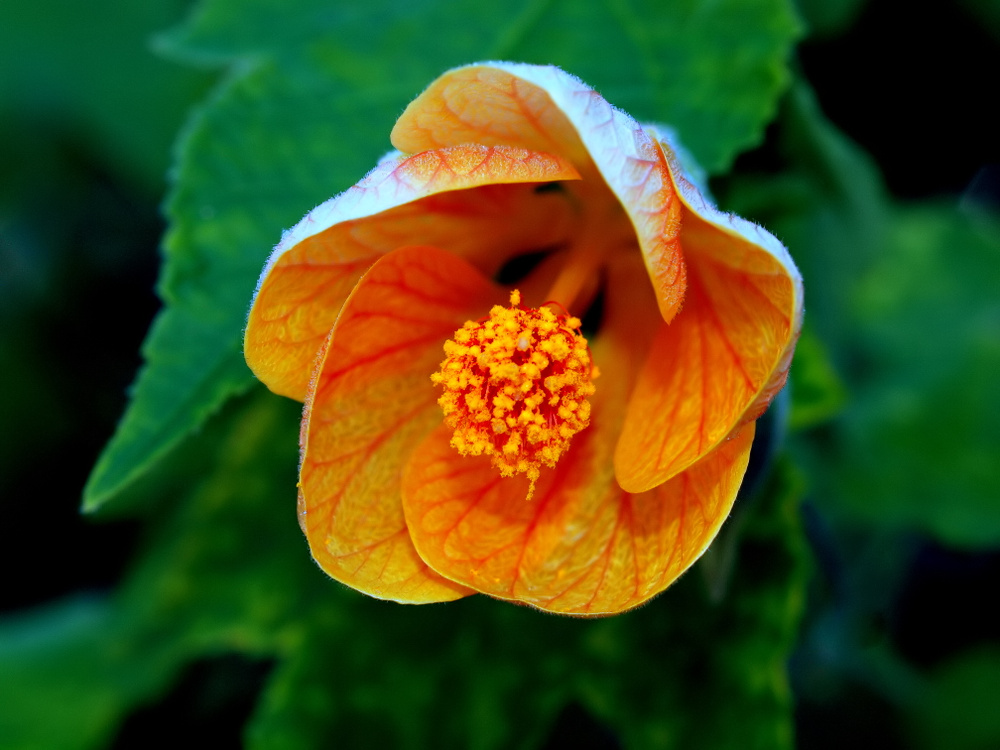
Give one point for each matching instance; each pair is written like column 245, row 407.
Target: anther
column 516, row 386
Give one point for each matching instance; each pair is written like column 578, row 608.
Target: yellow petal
column 581, row 545
column 372, row 400
column 460, row 199
column 713, row 238
column 723, row 358
column 543, row 108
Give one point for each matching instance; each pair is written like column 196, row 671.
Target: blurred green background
column 848, row 601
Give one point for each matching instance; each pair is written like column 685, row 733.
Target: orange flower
column 499, row 462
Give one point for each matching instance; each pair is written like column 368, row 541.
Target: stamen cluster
column 516, row 386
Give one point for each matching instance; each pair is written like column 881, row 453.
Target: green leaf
column 903, row 301
column 818, row 394
column 226, row 566
column 713, row 70
column 682, row 672
column 921, row 439
column 314, row 91
column 955, row 711
column 70, row 671
column 828, row 205
column 827, row 18
column 986, row 13
column 226, row 569
column 737, row 648
column 150, row 430
column 86, row 68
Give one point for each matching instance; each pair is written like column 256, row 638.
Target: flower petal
column 581, row 545
column 371, row 401
column 405, row 200
column 543, row 108
column 723, row 358
column 713, row 237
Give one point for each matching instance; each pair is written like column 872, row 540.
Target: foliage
column 265, row 149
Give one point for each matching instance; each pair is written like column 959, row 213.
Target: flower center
column 516, row 387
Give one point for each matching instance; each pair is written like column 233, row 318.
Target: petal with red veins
column 723, row 358
column 581, row 545
column 370, row 402
column 443, row 198
column 543, row 108
column 711, row 236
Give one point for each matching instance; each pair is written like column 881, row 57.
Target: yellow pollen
column 516, row 386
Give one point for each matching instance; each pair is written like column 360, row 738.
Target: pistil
column 604, row 229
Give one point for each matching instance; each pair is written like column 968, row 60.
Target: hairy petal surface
column 544, row 108
column 370, row 402
column 581, row 545
column 404, row 201
column 714, row 237
column 725, row 356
